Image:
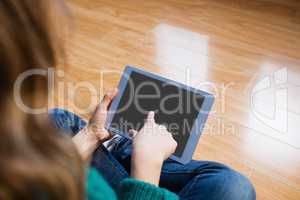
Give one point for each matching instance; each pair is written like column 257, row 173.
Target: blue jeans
column 199, row 180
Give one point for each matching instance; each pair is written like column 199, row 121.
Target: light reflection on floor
column 181, row 49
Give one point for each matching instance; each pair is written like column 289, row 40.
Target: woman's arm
column 86, row 143
column 94, row 134
column 151, row 146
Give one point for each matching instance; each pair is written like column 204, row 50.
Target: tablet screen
column 175, row 107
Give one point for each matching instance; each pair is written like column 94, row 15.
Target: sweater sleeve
column 97, row 188
column 132, row 189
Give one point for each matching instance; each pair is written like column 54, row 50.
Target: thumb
column 107, row 99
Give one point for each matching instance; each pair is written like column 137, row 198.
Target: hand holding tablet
column 183, row 110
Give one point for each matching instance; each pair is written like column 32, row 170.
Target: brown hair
column 36, row 162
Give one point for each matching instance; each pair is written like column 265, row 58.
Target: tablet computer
column 181, row 108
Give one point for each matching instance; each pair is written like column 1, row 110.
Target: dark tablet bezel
column 199, row 121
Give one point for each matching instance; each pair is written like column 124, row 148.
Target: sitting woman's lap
column 201, row 180
column 206, row 180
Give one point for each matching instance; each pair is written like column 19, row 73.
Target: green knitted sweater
column 130, row 189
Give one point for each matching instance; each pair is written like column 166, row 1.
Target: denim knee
column 235, row 185
column 66, row 121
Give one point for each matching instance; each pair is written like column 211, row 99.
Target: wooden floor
column 245, row 52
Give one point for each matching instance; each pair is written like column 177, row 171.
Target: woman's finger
column 132, row 133
column 150, row 117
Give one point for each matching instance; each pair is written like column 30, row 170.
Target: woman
column 39, row 160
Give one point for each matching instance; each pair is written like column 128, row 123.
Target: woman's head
column 35, row 160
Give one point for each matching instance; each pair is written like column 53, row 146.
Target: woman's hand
column 97, row 122
column 89, row 138
column 151, row 146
